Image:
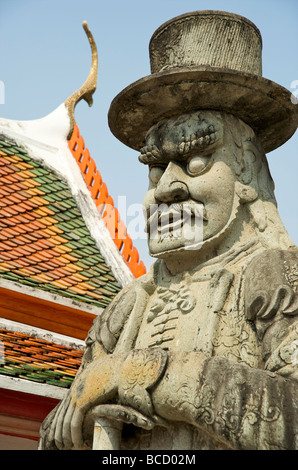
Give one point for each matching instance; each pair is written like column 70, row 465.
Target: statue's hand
column 141, row 370
column 94, row 385
column 131, row 376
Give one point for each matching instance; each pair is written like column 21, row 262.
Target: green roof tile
column 38, row 360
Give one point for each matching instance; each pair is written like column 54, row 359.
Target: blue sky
column 45, row 56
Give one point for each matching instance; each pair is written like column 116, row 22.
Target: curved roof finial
column 88, row 88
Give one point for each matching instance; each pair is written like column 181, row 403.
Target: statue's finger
column 66, row 429
column 60, row 422
column 125, row 414
column 53, row 425
column 76, row 429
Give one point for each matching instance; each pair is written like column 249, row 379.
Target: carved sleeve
column 251, row 409
column 106, row 328
column 272, row 304
column 241, row 407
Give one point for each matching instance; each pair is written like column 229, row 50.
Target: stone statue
column 201, row 352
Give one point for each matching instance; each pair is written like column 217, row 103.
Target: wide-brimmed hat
column 205, row 60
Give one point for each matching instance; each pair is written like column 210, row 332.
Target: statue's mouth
column 169, row 221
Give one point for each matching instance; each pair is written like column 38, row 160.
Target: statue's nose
column 170, row 188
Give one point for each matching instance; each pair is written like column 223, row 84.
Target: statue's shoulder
column 273, row 266
column 271, row 282
column 107, row 326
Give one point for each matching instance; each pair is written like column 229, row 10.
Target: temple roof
column 44, row 241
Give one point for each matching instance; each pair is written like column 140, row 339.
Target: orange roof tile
column 38, row 360
column 99, row 192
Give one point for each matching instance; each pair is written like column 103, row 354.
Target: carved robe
column 240, row 311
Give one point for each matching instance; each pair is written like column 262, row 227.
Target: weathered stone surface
column 201, row 352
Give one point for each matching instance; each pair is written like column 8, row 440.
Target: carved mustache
column 161, row 217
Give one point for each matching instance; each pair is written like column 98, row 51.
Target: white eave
column 33, row 388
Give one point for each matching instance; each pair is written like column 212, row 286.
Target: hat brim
column 264, row 105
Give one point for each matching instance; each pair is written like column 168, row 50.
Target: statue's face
column 191, row 194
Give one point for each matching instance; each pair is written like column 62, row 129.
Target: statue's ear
column 248, row 195
column 245, row 193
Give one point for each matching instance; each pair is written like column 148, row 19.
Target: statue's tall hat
column 205, row 60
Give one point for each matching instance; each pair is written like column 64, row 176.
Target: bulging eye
column 196, row 165
column 155, row 173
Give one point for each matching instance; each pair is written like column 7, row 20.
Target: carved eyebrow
column 150, row 154
column 197, row 140
column 202, row 139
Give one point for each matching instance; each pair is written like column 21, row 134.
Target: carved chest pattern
column 165, row 312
